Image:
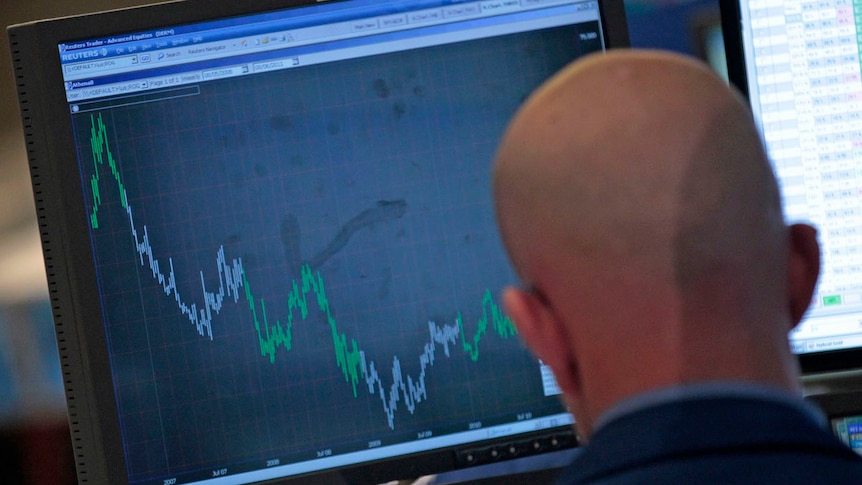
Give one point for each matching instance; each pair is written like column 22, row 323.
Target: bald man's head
column 634, row 194
column 639, row 154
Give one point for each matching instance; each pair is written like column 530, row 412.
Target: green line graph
column 308, row 289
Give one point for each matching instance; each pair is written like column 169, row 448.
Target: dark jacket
column 721, row 440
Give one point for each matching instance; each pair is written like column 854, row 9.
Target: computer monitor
column 799, row 65
column 843, row 411
column 269, row 238
column 705, row 28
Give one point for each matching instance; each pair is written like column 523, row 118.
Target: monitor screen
column 849, row 430
column 799, row 64
column 269, row 236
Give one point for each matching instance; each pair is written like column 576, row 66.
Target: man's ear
column 804, row 269
column 545, row 335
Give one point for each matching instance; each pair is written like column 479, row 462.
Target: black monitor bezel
column 731, row 24
column 73, row 288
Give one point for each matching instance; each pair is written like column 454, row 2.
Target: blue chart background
column 375, row 171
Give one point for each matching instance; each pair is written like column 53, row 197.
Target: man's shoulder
column 715, row 440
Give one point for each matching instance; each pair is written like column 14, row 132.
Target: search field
column 102, row 65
